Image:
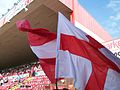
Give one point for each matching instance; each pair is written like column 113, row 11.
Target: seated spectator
column 5, row 79
column 1, row 82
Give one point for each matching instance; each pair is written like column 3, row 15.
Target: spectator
column 1, row 82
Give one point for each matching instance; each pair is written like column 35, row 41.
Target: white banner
column 14, row 10
column 113, row 46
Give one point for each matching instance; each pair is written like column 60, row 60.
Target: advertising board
column 113, row 46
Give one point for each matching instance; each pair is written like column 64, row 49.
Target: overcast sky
column 106, row 13
column 5, row 5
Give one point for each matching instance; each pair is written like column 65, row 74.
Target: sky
column 106, row 13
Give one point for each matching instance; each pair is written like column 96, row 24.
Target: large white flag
column 80, row 57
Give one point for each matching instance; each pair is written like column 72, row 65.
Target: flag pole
column 56, row 84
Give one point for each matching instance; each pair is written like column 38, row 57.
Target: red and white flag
column 43, row 44
column 79, row 56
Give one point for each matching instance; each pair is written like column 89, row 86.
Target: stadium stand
column 24, row 77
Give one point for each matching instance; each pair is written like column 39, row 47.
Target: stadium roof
column 14, row 48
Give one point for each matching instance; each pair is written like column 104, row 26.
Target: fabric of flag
column 43, row 44
column 79, row 56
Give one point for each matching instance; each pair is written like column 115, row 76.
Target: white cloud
column 116, row 17
column 114, row 5
column 113, row 23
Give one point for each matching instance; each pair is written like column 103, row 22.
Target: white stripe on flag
column 73, row 66
column 65, row 29
column 89, row 32
column 47, row 50
column 110, row 56
column 112, row 80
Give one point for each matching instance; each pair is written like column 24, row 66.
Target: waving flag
column 43, row 44
column 80, row 57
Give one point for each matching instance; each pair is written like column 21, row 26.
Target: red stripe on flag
column 48, row 65
column 100, row 63
column 37, row 36
column 97, row 78
column 86, row 50
column 94, row 43
column 40, row 38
